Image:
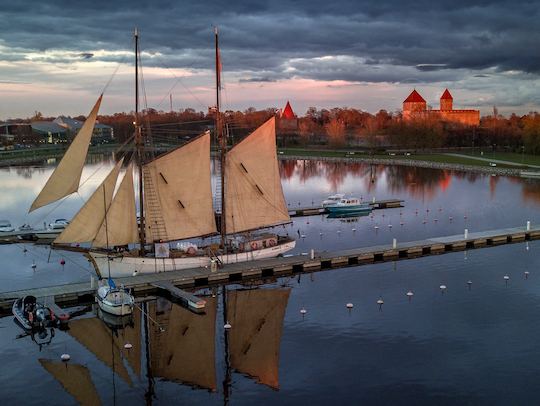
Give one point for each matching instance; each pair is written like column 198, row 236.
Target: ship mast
column 139, row 146
column 220, row 135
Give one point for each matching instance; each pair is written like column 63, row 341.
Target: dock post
column 528, row 226
column 394, row 243
column 312, row 254
column 466, row 233
column 213, row 265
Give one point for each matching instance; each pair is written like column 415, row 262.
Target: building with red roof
column 288, row 121
column 287, row 113
column 414, row 106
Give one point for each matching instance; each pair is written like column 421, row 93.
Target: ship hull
column 121, row 266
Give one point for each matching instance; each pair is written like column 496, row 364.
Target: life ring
column 254, row 245
column 271, row 242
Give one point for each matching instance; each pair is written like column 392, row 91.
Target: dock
column 317, row 210
column 145, row 284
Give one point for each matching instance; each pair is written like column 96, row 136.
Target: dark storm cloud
column 269, row 41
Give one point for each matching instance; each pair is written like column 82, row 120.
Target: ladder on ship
column 158, row 229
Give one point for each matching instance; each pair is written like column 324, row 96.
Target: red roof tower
column 446, row 101
column 288, row 113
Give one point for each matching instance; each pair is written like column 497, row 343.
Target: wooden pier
column 316, row 210
column 79, row 293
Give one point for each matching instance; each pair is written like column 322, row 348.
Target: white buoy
column 450, row 218
column 303, row 236
column 526, row 274
column 401, row 223
column 65, row 357
column 410, row 294
column 339, row 231
column 321, row 234
column 380, row 302
column 389, row 225
column 227, row 326
column 128, row 346
column 435, row 220
column 34, row 265
column 354, row 230
column 469, row 282
column 376, row 227
column 442, row 287
column 506, row 277
column 303, row 311
column 349, row 305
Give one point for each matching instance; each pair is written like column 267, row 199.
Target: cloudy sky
column 57, row 56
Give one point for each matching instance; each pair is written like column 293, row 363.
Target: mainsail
column 67, row 175
column 178, row 193
column 87, row 222
column 185, row 351
column 257, row 319
column 253, row 193
column 75, row 379
column 120, row 224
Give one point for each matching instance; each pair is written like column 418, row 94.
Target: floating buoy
column 349, row 305
column 465, row 217
column 339, row 231
column 427, row 210
column 435, row 220
column 389, row 225
column 227, row 326
column 526, row 274
column 506, row 277
column 354, row 230
column 380, row 302
column 65, row 357
column 450, row 218
column 307, row 222
column 34, row 265
column 63, row 262
column 303, row 311
column 410, row 293
column 376, row 227
column 303, row 236
column 442, row 287
column 128, row 346
column 320, row 234
column 469, row 283
column 401, row 223
column 424, row 222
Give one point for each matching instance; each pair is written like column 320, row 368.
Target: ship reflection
column 163, row 341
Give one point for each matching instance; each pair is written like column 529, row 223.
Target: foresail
column 120, row 224
column 87, row 222
column 67, row 175
column 178, row 193
column 253, row 192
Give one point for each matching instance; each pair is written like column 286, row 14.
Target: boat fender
column 253, row 245
column 191, row 251
column 271, row 242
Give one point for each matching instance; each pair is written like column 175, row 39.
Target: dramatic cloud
column 484, row 50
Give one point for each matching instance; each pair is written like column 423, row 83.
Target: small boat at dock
column 31, row 314
column 348, row 205
column 114, row 300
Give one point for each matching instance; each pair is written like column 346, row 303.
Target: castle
column 415, row 106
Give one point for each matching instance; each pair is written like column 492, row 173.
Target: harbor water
column 294, row 340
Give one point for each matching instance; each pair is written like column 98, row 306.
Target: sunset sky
column 57, row 56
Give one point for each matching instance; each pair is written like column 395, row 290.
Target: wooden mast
column 139, row 146
column 223, row 144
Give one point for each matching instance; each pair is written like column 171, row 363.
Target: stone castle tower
column 446, row 101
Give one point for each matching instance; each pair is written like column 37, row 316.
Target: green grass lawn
column 441, row 158
column 519, row 159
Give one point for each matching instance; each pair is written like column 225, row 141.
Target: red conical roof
column 414, row 97
column 446, row 95
column 288, row 112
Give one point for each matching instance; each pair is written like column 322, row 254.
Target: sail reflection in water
column 183, row 349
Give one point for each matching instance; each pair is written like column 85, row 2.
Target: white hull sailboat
column 175, row 202
column 124, row 265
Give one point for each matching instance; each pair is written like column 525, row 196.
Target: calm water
column 476, row 345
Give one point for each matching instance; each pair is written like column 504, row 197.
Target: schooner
column 176, row 201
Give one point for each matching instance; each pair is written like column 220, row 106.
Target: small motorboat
column 333, row 199
column 32, row 315
column 59, row 224
column 6, row 227
column 348, row 205
column 114, row 300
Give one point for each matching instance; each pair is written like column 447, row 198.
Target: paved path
column 497, row 161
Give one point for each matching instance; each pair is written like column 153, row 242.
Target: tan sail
column 253, row 192
column 178, row 193
column 185, row 351
column 67, row 175
column 120, row 224
column 97, row 338
column 256, row 317
column 75, row 379
column 87, row 222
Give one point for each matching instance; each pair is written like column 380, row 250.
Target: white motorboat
column 59, row 224
column 348, row 205
column 6, row 227
column 114, row 300
column 333, row 199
